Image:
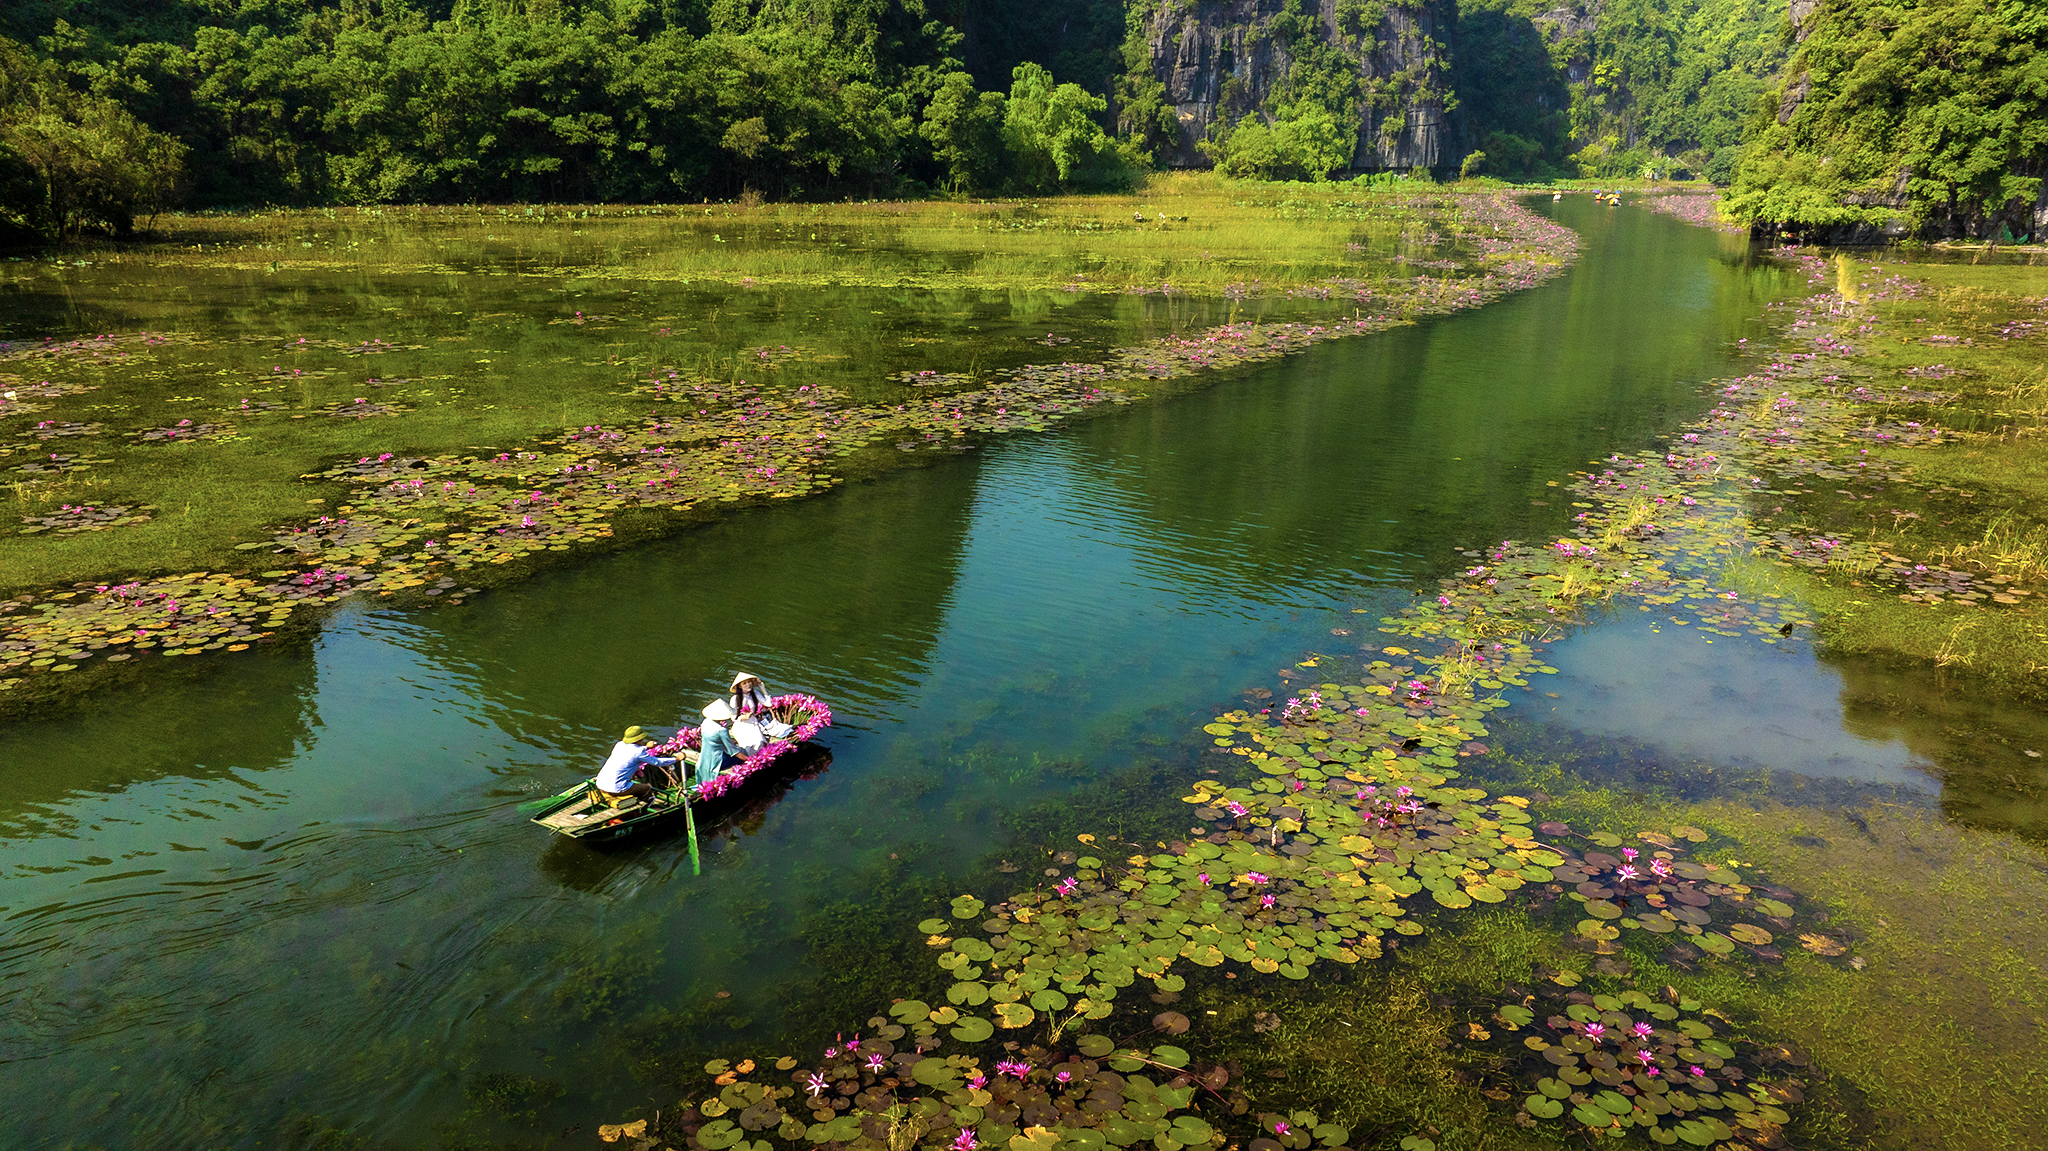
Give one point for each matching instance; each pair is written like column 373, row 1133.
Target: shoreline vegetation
column 417, row 524
column 1728, row 974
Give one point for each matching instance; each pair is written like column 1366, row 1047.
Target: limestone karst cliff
column 1221, row 60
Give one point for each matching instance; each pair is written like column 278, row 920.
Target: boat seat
column 592, row 808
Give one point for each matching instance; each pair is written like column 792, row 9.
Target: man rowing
column 619, row 778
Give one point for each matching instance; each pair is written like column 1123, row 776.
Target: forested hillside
column 1913, row 113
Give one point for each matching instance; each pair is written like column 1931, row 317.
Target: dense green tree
column 71, row 159
column 965, row 130
column 1934, row 112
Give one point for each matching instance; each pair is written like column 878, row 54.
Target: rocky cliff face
column 1220, row 60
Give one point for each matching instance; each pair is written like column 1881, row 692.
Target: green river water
column 287, row 891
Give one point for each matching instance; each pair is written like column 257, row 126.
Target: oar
column 690, row 821
column 533, row 805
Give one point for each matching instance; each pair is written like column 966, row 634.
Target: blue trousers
column 720, row 751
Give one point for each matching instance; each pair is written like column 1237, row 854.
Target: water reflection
column 1727, row 700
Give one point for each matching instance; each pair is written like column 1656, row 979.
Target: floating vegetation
column 1664, row 1066
column 410, row 521
column 184, row 431
column 73, row 518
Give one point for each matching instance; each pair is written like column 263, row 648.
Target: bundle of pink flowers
column 807, row 714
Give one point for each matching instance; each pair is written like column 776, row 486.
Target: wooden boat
column 580, row 811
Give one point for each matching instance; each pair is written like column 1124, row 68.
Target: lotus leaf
column 1592, row 1115
column 910, row 1011
column 1542, row 1107
column 718, row 1135
column 1124, row 1132
column 1749, row 933
column 1713, row 941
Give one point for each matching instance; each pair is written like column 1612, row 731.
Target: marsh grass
column 1191, row 232
column 1939, row 1041
column 2008, row 547
column 518, row 322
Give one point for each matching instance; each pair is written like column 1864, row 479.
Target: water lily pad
column 1014, row 1015
column 910, row 1011
column 1095, row 1046
column 1049, row 1000
column 1451, row 897
column 1774, row 907
column 1515, row 1015
column 719, row 1134
column 1749, row 933
column 1604, row 838
column 967, row 993
column 1592, row 1115
column 972, row 1029
column 1542, row 1107
column 1552, row 1089
column 1171, row 1022
column 1191, row 1129
column 1170, row 1055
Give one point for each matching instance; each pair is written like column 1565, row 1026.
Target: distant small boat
column 580, row 811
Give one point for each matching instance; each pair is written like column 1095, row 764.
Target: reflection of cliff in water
column 602, row 869
column 1976, row 735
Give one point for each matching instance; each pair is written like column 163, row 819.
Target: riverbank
column 403, row 520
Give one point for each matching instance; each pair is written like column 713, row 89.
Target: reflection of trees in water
column 1975, row 733
column 840, row 595
column 199, row 718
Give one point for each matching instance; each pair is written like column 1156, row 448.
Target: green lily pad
column 1516, row 1015
column 967, row 907
column 1542, row 1107
column 1095, row 1046
column 910, row 1011
column 1615, row 1102
column 719, row 1134
column 967, row 994
column 972, row 1029
column 1451, row 897
column 1049, row 1000
column 1170, row 1055
column 1551, row 1088
column 1605, row 838
column 1750, row 933
column 1591, row 1115
column 1774, row 907
column 1328, row 1134
column 1191, row 1129
column 1014, row 1015
column 932, row 926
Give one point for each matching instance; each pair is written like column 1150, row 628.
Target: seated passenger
column 749, row 694
column 716, row 749
column 751, row 702
column 618, row 778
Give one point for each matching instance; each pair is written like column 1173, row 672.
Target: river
column 288, row 895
